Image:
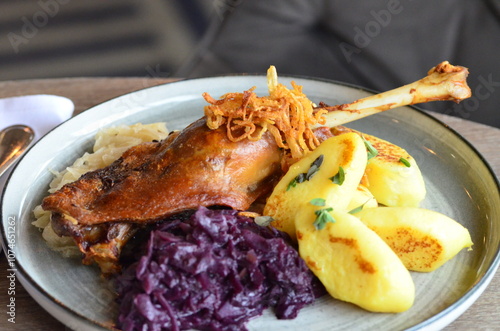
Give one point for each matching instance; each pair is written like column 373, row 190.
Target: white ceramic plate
column 459, row 184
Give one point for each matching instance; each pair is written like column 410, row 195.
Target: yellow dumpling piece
column 423, row 239
column 346, row 151
column 393, row 176
column 353, row 263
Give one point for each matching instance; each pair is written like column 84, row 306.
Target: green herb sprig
column 322, row 215
column 405, row 162
column 302, row 177
column 339, row 177
column 359, row 208
column 372, row 151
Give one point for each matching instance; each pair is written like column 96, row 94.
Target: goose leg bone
column 444, row 82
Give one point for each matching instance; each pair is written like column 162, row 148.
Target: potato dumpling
column 392, row 176
column 423, row 239
column 346, row 152
column 353, row 263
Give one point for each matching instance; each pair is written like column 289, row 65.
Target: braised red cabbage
column 214, row 271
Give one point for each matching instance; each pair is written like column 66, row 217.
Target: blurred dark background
column 195, row 38
column 68, row 38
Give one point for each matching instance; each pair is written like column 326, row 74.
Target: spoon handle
column 14, row 140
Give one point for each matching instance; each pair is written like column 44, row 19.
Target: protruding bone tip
column 447, row 67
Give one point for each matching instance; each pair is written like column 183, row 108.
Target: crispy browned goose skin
column 196, row 167
column 199, row 167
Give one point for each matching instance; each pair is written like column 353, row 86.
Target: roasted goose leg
column 196, row 167
column 444, row 82
column 199, row 167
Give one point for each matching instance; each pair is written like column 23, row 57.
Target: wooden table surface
column 484, row 314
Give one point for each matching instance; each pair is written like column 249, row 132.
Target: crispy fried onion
column 286, row 113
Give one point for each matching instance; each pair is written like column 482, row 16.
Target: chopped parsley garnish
column 339, row 177
column 405, row 162
column 297, row 180
column 372, row 151
column 313, row 169
column 322, row 215
column 320, row 202
column 359, row 208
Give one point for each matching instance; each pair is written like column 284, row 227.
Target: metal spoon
column 14, row 140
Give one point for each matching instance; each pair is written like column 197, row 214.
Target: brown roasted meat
column 199, row 167
column 196, row 167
